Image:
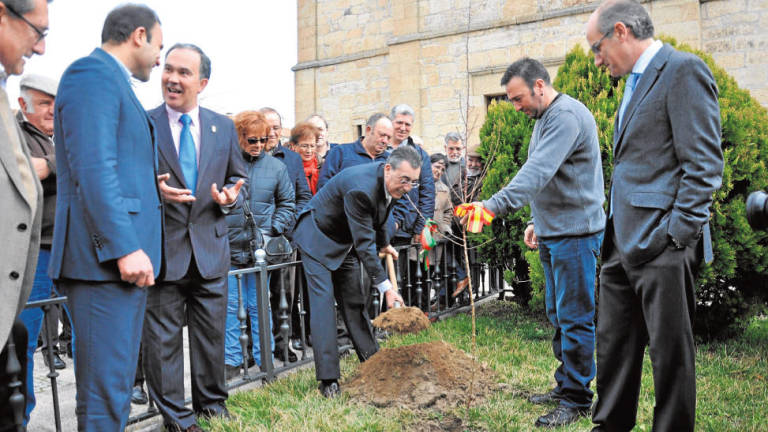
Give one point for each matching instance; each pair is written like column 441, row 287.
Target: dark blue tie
column 187, row 154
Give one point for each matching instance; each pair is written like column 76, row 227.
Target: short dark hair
column 205, row 62
column 404, row 153
column 372, row 120
column 124, row 20
column 528, row 69
column 631, row 13
column 21, row 6
column 438, row 157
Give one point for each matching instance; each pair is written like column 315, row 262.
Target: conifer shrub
column 729, row 288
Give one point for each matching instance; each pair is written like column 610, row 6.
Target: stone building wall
column 357, row 57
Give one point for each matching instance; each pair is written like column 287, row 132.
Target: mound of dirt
column 402, row 320
column 432, row 374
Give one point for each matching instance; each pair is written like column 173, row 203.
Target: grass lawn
column 732, row 381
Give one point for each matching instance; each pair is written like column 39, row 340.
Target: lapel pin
column 213, row 128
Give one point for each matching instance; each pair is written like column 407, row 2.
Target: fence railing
column 429, row 288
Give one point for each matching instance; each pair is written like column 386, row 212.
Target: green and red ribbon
column 428, row 242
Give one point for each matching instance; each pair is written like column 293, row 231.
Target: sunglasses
column 254, row 140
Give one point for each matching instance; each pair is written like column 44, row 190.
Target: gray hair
column 404, row 153
column 21, row 6
column 631, row 13
column 267, row 110
column 372, row 120
column 401, row 109
column 452, row 137
column 24, row 93
column 205, row 62
column 318, row 116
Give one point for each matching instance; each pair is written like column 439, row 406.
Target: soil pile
column 432, row 374
column 402, row 320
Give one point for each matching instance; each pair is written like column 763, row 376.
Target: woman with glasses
column 269, row 209
column 303, row 141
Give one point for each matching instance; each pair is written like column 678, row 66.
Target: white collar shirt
column 194, row 127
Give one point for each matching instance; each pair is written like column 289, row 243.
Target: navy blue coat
column 344, row 156
column 199, row 229
column 270, row 197
column 292, row 161
column 108, row 201
column 349, row 212
column 409, row 221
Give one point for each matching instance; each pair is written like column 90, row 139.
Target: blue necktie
column 629, row 89
column 187, row 154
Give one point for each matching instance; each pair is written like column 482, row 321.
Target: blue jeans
column 569, row 269
column 42, row 288
column 233, row 353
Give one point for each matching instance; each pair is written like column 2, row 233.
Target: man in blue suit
column 107, row 241
column 342, row 226
column 667, row 163
column 198, row 150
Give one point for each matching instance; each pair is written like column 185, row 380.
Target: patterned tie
column 629, row 89
column 187, row 154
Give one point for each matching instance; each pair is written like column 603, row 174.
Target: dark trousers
column 288, row 277
column 11, row 416
column 106, row 319
column 651, row 304
column 204, row 304
column 343, row 284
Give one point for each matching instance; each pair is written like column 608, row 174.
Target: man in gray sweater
column 563, row 182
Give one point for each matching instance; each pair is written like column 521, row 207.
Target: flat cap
column 40, row 83
column 472, row 151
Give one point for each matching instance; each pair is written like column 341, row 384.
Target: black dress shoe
column 220, row 411
column 561, row 416
column 280, row 355
column 330, row 389
column 550, row 397
column 139, row 396
column 232, row 372
column 58, row 363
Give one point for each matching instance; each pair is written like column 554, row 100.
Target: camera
column 757, row 213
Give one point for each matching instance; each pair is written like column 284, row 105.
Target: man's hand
column 388, row 250
column 173, row 194
column 41, row 167
column 465, row 218
column 136, row 268
column 393, row 296
column 530, row 237
column 227, row 196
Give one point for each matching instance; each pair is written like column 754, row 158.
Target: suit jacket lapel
column 165, row 144
column 10, row 129
column 644, row 85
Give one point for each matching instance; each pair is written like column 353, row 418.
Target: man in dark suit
column 342, row 226
column 198, row 151
column 667, row 163
column 22, row 32
column 107, row 239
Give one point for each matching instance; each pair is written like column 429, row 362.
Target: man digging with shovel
column 344, row 225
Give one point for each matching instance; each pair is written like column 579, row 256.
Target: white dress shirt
column 194, row 128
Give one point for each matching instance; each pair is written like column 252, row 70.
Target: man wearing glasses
column 23, row 24
column 667, row 164
column 562, row 180
column 343, row 225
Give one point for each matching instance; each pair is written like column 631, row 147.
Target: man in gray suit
column 667, row 163
column 23, row 25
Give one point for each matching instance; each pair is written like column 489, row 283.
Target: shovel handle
column 391, row 271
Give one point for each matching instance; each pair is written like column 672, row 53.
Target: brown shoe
column 460, row 286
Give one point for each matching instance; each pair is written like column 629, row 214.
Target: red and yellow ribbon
column 428, row 242
column 478, row 216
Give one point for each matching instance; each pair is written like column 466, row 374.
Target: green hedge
column 736, row 281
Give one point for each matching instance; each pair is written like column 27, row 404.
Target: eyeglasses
column 596, row 46
column 406, row 180
column 41, row 34
column 254, row 140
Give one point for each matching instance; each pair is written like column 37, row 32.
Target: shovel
column 391, row 272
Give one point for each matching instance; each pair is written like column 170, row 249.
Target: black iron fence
column 429, row 287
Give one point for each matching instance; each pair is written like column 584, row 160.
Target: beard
column 474, row 172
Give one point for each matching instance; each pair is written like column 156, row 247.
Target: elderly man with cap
column 35, row 118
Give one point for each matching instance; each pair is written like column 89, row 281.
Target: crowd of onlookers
column 280, row 178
